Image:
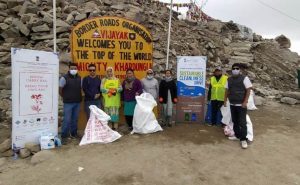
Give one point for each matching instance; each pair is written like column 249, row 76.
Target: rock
column 80, row 17
column 283, row 41
column 295, row 95
column 33, row 147
column 107, row 2
column 24, row 152
column 226, row 41
column 5, row 145
column 118, row 7
column 257, row 38
column 8, row 153
column 258, row 100
column 215, row 26
column 158, row 55
column 41, row 28
column 70, row 19
column 288, row 100
column 42, row 156
column 5, row 104
column 3, row 26
column 42, row 37
column 7, row 80
column 21, row 27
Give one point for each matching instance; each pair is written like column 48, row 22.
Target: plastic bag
column 251, row 104
column 97, row 129
column 144, row 121
column 228, row 129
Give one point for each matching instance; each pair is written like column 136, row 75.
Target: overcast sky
column 268, row 18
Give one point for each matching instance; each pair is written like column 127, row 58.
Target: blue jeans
column 88, row 103
column 71, row 113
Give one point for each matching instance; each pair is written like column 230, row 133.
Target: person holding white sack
column 238, row 91
column 144, row 121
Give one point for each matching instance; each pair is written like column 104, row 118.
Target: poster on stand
column 191, row 72
column 34, row 95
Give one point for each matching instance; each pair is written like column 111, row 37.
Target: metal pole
column 169, row 34
column 54, row 26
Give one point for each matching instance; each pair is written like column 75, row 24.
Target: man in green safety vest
column 216, row 93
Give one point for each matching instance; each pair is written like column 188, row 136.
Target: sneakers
column 244, row 144
column 233, row 138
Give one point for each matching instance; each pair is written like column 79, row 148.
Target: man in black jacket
column 237, row 91
column 70, row 91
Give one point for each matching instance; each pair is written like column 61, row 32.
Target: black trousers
column 129, row 120
column 215, row 108
column 238, row 115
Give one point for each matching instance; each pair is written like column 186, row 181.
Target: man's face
column 168, row 74
column 218, row 73
column 92, row 71
column 73, row 68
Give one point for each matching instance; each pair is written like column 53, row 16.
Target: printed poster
column 191, row 72
column 34, row 95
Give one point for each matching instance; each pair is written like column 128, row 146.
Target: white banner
column 34, row 95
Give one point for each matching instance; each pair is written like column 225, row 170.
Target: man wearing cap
column 216, row 93
column 150, row 85
column 238, row 91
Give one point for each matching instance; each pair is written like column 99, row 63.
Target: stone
column 5, row 145
column 3, row 6
column 21, row 27
column 4, row 26
column 283, row 41
column 158, row 55
column 226, row 41
column 42, row 156
column 33, row 147
column 8, row 153
column 5, row 104
column 70, row 19
column 41, row 28
column 107, row 2
column 41, row 37
column 215, row 26
column 118, row 7
column 295, row 95
column 24, row 153
column 7, row 80
column 259, row 101
column 80, row 17
column 60, row 23
column 288, row 100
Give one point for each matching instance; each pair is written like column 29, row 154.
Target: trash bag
column 251, row 104
column 144, row 121
column 228, row 129
column 97, row 129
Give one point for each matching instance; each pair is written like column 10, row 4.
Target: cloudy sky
column 268, row 18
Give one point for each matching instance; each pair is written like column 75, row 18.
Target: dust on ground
column 186, row 154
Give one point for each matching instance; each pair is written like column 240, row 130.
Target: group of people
column 236, row 89
column 108, row 93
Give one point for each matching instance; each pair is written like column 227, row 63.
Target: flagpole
column 54, row 26
column 169, row 34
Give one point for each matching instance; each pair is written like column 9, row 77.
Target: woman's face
column 168, row 74
column 109, row 73
column 129, row 74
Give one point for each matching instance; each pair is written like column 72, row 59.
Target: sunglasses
column 92, row 70
column 235, row 68
column 150, row 73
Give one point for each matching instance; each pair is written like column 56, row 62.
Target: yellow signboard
column 111, row 42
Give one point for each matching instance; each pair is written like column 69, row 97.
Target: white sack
column 97, row 129
column 144, row 121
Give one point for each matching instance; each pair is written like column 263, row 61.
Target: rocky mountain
column 28, row 24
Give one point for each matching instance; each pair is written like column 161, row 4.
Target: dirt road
column 182, row 155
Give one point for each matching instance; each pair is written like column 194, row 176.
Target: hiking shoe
column 244, row 144
column 233, row 138
column 209, row 124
